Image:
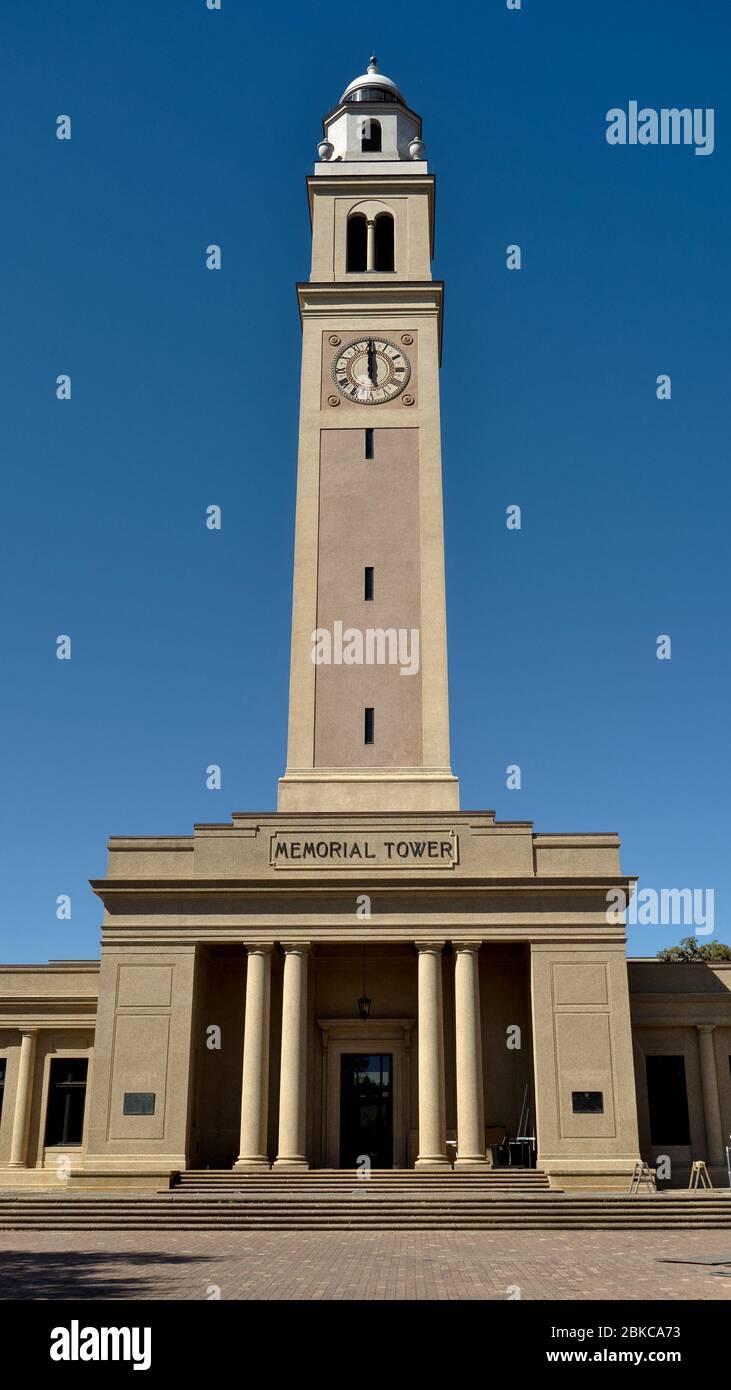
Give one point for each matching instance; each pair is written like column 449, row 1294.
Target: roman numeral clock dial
column 369, row 371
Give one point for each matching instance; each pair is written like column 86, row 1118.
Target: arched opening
column 357, row 243
column 370, row 137
column 384, row 241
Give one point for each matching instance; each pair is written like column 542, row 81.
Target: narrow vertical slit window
column 369, row 444
column 368, row 583
column 369, row 726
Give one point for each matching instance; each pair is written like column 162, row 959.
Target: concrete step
column 356, row 1199
column 411, row 1195
column 416, row 1175
column 372, row 1224
column 518, row 1181
column 370, row 1207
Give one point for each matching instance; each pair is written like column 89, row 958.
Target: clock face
column 370, row 370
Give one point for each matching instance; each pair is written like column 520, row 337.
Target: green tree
column 690, row 949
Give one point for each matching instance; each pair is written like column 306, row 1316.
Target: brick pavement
column 365, row 1265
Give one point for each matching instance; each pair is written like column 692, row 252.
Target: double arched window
column 370, row 242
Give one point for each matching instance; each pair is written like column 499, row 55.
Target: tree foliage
column 691, row 949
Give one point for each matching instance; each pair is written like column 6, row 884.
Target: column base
column 253, row 1163
column 471, row 1161
column 295, row 1164
column 433, row 1161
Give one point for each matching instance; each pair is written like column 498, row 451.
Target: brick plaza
column 420, row 1265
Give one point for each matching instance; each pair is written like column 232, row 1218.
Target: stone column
column 293, row 1076
column 432, row 1107
column 470, row 1096
column 255, row 1076
column 23, row 1098
column 370, row 244
column 709, row 1084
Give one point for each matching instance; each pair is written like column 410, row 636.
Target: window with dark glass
column 667, row 1098
column 369, row 444
column 371, row 94
column 369, row 726
column 66, row 1100
column 587, row 1102
column 368, row 583
column 357, row 238
column 370, row 139
column 384, row 241
column 3, row 1066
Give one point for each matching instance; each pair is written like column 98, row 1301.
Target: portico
column 257, row 968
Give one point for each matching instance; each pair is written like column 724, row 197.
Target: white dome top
column 375, row 80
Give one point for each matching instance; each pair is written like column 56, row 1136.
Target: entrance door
column 366, row 1108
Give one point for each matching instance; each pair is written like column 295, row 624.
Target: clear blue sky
column 191, row 127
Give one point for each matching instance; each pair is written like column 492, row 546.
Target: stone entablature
column 261, row 877
column 486, row 848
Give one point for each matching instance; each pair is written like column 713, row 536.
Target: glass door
column 366, row 1108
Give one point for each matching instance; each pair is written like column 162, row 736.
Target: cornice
column 271, row 887
column 320, row 299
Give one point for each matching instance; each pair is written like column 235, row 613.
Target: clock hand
column 372, row 368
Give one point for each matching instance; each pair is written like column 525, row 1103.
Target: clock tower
column 368, row 705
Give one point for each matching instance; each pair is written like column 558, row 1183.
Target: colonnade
column 291, row 1148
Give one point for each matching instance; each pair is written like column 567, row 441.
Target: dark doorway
column 66, row 1101
column 667, row 1096
column 366, row 1109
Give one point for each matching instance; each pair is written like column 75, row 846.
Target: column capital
column 429, row 946
column 461, row 946
column 258, row 946
column 292, row 946
column 29, row 1032
column 705, row 1027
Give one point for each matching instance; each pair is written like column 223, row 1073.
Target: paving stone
column 412, row 1266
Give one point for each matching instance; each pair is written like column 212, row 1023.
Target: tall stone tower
column 368, row 707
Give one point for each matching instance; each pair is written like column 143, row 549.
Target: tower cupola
column 372, row 86
column 371, row 123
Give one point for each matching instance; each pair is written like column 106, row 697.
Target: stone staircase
column 338, row 1201
column 332, row 1180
